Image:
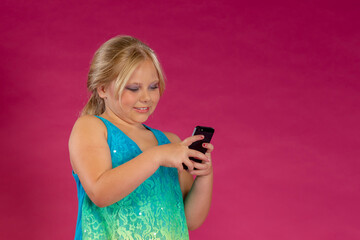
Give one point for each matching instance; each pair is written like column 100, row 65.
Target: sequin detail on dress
column 154, row 210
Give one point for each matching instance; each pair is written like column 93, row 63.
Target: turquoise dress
column 154, row 210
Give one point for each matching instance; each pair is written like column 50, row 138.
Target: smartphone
column 200, row 130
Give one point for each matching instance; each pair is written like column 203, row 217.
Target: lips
column 142, row 109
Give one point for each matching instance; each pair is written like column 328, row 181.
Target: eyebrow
column 137, row 83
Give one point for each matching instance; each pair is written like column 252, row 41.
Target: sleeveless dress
column 154, row 210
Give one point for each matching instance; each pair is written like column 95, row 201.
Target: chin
column 142, row 119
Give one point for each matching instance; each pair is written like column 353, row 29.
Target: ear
column 101, row 91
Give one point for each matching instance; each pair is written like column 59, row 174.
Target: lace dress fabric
column 154, row 210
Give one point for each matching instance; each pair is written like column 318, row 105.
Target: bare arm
column 197, row 194
column 91, row 160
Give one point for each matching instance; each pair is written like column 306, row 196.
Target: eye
column 132, row 88
column 154, row 86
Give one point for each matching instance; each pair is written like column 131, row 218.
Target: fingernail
column 204, row 145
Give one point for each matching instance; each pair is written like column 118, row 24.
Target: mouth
column 142, row 109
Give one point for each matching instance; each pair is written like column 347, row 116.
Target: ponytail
column 94, row 106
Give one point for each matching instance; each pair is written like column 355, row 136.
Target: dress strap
column 160, row 136
column 109, row 127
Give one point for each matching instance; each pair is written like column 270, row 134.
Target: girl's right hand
column 175, row 154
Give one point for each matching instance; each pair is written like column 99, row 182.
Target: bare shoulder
column 86, row 128
column 89, row 123
column 88, row 139
column 172, row 137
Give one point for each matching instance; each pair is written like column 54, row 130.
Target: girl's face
column 139, row 97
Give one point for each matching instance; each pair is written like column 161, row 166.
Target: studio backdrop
column 279, row 82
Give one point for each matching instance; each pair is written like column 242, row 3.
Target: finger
column 208, row 146
column 188, row 141
column 200, row 172
column 198, row 155
column 200, row 166
column 189, row 164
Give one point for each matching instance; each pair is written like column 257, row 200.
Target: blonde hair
column 115, row 61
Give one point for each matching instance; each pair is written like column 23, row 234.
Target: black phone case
column 200, row 130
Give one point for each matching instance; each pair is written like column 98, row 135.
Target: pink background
column 279, row 82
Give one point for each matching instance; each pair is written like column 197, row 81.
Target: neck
column 117, row 120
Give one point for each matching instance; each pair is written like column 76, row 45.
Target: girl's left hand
column 204, row 168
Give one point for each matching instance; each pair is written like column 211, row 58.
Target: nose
column 145, row 96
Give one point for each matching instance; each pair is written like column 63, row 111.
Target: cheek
column 128, row 100
column 155, row 97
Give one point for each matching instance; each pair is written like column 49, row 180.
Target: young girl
column 130, row 178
